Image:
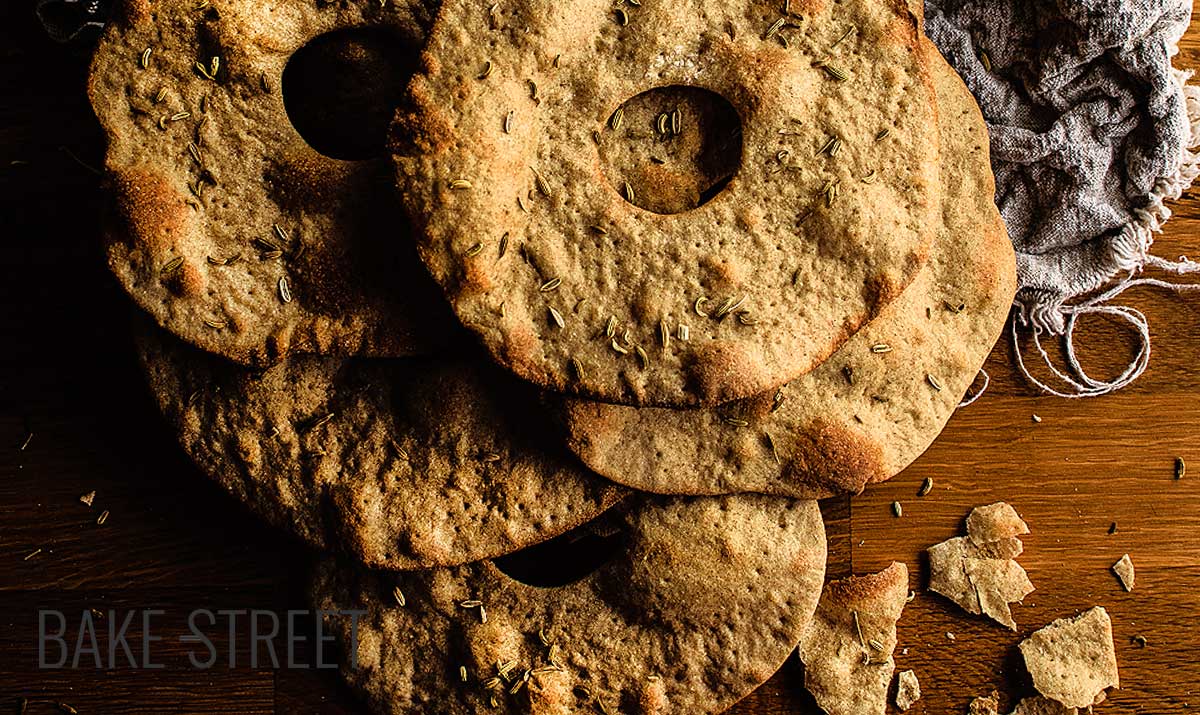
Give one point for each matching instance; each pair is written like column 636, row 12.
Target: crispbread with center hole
column 500, row 168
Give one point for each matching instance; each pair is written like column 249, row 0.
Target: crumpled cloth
column 1091, row 129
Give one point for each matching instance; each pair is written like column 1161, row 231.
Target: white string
column 987, row 380
column 1077, row 380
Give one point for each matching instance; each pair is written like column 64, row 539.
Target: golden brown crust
column 874, row 405
column 154, row 216
column 721, row 370
column 888, row 589
column 827, row 457
column 798, row 237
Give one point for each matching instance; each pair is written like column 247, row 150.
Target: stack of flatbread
column 548, row 322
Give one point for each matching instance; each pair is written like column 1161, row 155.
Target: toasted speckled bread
column 706, row 600
column 1073, row 661
column 501, row 151
column 225, row 224
column 403, row 463
column 847, row 652
column 979, row 571
column 878, row 402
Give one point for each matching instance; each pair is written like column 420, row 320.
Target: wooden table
column 174, row 541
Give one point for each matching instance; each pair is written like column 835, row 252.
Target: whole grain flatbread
column 979, row 571
column 225, row 224
column 1035, row 705
column 1073, row 660
column 878, row 402
column 847, row 652
column 705, row 602
column 499, row 162
column 403, row 463
column 679, row 145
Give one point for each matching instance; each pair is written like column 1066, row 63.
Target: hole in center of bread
column 566, row 558
column 671, row 149
column 342, row 88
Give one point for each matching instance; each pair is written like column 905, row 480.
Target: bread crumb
column 1124, row 571
column 985, row 705
column 908, row 689
column 1042, row 706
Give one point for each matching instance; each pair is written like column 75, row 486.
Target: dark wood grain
column 174, row 541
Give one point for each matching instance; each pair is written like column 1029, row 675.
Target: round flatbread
column 502, row 154
column 878, row 402
column 404, row 463
column 226, row 225
column 705, row 601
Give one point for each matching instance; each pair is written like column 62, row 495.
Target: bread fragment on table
column 1073, row 660
column 979, row 571
column 847, row 650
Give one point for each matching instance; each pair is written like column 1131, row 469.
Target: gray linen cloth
column 1090, row 129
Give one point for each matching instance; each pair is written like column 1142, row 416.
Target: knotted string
column 1078, row 383
column 1131, row 255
